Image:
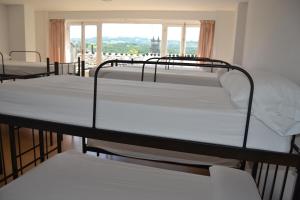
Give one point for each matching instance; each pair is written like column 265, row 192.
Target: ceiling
column 167, row 5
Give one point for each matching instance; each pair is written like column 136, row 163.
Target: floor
column 69, row 142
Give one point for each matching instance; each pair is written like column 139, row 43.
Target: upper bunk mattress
column 196, row 113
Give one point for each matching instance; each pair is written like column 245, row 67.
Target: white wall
column 4, row 29
column 42, row 33
column 240, row 31
column 16, row 30
column 273, row 37
column 224, row 35
column 30, row 40
column 125, row 15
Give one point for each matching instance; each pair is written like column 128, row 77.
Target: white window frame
column 165, row 24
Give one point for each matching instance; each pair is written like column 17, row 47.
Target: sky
column 134, row 30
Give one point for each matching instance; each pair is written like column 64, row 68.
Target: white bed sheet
column 196, row 113
column 179, row 76
column 28, row 68
column 72, row 176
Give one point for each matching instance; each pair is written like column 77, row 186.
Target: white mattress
column 196, row 113
column 28, row 68
column 179, row 76
column 73, row 176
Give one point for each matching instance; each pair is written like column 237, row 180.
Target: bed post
column 13, row 151
column 1, row 167
column 48, row 65
column 82, row 68
column 41, row 141
column 254, row 169
column 2, row 62
column 296, row 195
column 56, row 68
column 83, row 145
column 79, row 67
column 58, row 140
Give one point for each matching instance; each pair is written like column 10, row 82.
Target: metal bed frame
column 213, row 62
column 203, row 60
column 43, row 141
column 79, row 63
column 35, row 52
column 5, row 76
column 290, row 160
column 218, row 150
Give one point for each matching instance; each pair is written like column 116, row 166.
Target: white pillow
column 232, row 184
column 275, row 100
column 220, row 72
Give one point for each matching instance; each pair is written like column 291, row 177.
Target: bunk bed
column 21, row 68
column 110, row 119
column 196, row 97
column 163, row 74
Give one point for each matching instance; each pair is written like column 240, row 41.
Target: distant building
column 155, row 45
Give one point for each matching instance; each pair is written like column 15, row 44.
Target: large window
column 95, row 42
column 75, row 49
column 173, row 40
column 90, row 45
column 82, row 43
column 191, row 40
column 132, row 39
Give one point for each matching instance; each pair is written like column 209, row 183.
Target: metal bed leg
column 59, row 139
column 254, row 170
column 19, row 150
column 83, row 145
column 48, row 65
column 2, row 164
column 1, row 168
column 42, row 151
column 13, row 151
column 297, row 187
column 82, row 68
column 79, row 67
column 56, row 68
column 243, row 165
column 1, row 152
column 33, row 144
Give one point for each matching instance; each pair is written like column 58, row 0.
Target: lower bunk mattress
column 74, row 176
column 179, row 76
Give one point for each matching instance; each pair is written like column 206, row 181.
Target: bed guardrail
column 7, row 77
column 182, row 64
column 79, row 71
column 203, row 60
column 34, row 52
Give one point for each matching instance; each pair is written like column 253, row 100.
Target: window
column 90, row 53
column 173, row 40
column 131, row 39
column 75, row 43
column 191, row 40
